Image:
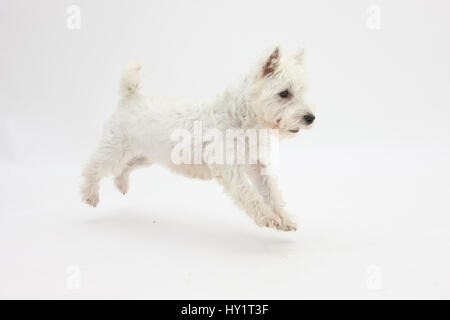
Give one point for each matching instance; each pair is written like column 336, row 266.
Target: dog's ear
column 299, row 55
column 271, row 62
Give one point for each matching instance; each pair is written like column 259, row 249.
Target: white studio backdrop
column 369, row 184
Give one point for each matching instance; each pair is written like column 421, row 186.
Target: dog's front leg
column 235, row 182
column 267, row 185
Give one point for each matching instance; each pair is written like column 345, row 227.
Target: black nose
column 309, row 118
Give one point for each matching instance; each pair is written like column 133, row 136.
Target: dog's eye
column 284, row 94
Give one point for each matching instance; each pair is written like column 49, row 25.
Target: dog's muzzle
column 309, row 118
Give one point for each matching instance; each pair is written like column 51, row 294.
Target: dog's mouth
column 302, row 127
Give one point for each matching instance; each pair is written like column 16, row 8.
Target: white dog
column 139, row 133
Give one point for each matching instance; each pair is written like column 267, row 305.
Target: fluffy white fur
column 138, row 133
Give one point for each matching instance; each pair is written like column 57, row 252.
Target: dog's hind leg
column 111, row 155
column 122, row 180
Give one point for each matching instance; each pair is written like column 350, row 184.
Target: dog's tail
column 130, row 81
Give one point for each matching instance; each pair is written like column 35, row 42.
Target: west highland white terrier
column 142, row 132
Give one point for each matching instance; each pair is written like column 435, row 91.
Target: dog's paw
column 92, row 199
column 121, row 184
column 288, row 226
column 269, row 221
column 89, row 193
column 287, row 222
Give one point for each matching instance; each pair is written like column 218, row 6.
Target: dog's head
column 277, row 92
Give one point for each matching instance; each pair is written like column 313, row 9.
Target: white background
column 369, row 184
